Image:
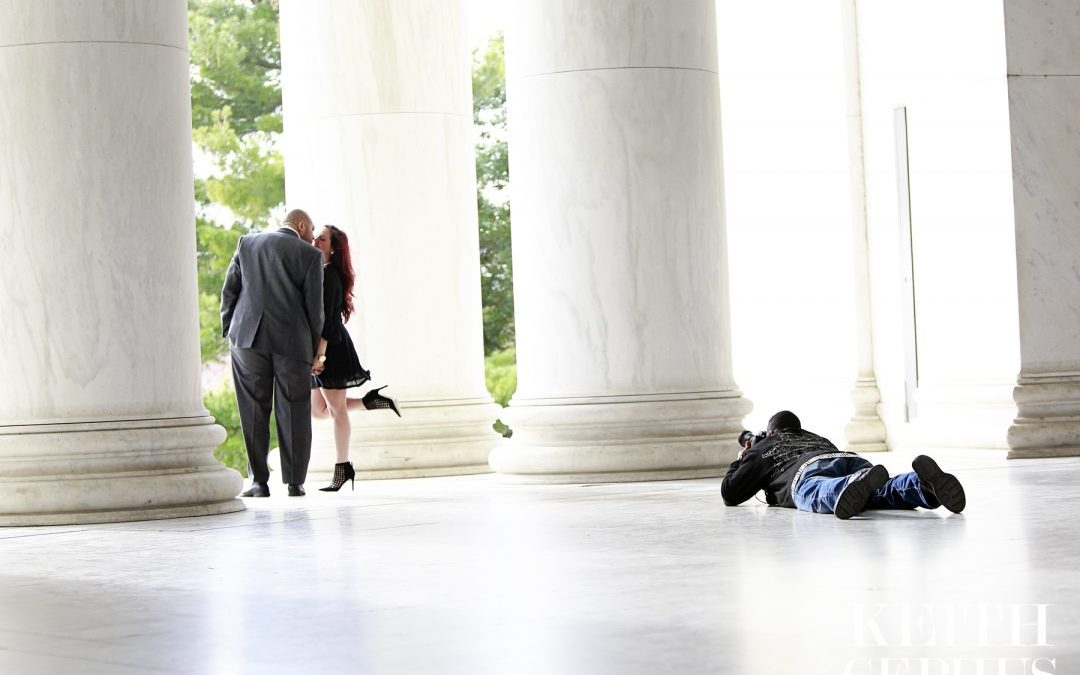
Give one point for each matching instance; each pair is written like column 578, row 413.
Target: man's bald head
column 299, row 221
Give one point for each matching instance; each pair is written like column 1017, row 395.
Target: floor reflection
column 470, row 575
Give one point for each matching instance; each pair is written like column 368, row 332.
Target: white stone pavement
column 473, row 575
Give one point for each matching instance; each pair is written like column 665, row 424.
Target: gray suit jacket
column 272, row 298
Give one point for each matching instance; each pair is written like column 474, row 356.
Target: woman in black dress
column 341, row 367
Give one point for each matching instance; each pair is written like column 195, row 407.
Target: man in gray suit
column 272, row 313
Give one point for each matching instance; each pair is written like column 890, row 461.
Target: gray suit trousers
column 259, row 376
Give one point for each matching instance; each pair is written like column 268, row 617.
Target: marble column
column 101, row 417
column 865, row 431
column 1043, row 54
column 378, row 141
column 624, row 361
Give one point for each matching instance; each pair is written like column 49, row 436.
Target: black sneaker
column 942, row 486
column 858, row 492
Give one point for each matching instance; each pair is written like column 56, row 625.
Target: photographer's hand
column 742, row 453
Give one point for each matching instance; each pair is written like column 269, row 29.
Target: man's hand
column 742, row 453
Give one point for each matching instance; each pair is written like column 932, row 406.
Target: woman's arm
column 319, row 363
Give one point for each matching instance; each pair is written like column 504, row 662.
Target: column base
column 119, row 516
column 1048, row 417
column 110, row 471
column 868, row 428
column 431, row 438
column 611, row 439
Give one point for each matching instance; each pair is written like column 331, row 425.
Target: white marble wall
column 378, row 120
column 963, row 237
column 1043, row 47
column 100, row 412
column 624, row 362
column 789, row 214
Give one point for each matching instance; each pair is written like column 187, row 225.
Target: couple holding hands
column 286, row 298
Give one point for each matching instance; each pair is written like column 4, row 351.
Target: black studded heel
column 343, row 471
column 373, row 400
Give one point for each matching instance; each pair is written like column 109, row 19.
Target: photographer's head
column 782, row 420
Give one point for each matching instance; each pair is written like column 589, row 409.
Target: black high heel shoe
column 373, row 400
column 343, row 471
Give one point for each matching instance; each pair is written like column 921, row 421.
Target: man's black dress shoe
column 257, row 490
column 296, row 490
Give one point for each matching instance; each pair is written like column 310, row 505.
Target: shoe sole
column 853, row 499
column 945, row 486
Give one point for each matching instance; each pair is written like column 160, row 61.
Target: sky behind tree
column 484, row 18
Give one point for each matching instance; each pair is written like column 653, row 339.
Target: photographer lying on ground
column 801, row 470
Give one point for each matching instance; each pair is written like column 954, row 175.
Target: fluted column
column 624, row 363
column 1044, row 103
column 378, row 123
column 865, row 431
column 101, row 417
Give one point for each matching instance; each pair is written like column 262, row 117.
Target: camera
column 748, row 435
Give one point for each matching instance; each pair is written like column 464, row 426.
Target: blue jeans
column 822, row 482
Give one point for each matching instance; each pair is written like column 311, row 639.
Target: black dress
column 342, row 367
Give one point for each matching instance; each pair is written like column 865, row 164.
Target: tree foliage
column 493, row 179
column 236, row 122
column 500, row 375
column 235, row 50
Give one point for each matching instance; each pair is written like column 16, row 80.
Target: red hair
column 342, row 258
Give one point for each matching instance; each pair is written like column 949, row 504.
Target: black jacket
column 272, row 298
column 771, row 465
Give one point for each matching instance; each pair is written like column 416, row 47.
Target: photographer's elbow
column 729, row 499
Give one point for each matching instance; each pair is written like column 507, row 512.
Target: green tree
column 492, row 178
column 500, row 375
column 236, row 122
column 215, row 249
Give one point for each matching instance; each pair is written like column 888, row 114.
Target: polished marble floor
column 471, row 575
